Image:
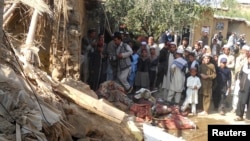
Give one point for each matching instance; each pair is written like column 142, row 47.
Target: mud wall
column 66, row 41
column 1, row 19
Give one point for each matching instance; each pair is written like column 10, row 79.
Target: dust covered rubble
column 27, row 99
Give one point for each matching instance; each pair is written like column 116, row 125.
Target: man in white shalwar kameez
column 239, row 62
column 166, row 78
column 178, row 70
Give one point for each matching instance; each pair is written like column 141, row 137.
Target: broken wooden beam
column 9, row 11
column 18, row 132
column 135, row 130
column 94, row 105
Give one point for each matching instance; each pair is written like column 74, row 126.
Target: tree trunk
column 32, row 29
column 1, row 20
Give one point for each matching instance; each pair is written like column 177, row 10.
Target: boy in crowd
column 193, row 85
column 223, row 83
column 207, row 74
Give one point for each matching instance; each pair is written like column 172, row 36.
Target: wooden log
column 9, row 12
column 18, row 133
column 32, row 28
column 94, row 105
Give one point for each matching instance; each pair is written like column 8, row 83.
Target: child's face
column 193, row 72
column 223, row 64
column 143, row 47
column 144, row 53
column 196, row 46
column 204, row 50
column 191, row 58
column 216, row 58
column 206, row 59
column 152, row 51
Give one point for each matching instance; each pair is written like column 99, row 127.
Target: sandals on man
column 238, row 118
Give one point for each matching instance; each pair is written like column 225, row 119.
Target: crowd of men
column 198, row 75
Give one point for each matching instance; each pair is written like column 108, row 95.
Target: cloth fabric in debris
column 177, row 122
column 145, row 94
column 162, row 109
column 113, row 92
column 141, row 110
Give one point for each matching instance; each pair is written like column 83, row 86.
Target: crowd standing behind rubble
column 182, row 74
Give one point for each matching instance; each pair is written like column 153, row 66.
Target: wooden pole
column 9, row 12
column 32, row 28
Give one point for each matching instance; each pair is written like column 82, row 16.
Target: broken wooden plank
column 18, row 132
column 135, row 130
column 85, row 101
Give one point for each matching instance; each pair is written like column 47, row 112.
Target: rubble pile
column 31, row 107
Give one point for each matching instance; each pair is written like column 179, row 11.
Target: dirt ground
column 202, row 122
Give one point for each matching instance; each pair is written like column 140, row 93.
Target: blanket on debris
column 175, row 122
column 147, row 108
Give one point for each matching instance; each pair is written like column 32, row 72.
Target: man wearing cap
column 187, row 51
column 166, row 60
column 242, row 40
column 151, row 43
column 240, row 60
column 220, row 38
column 198, row 51
column 230, row 57
column 178, row 70
column 162, row 65
column 112, row 61
column 153, row 67
column 126, row 39
column 226, row 54
column 123, row 53
column 143, row 46
column 88, row 45
column 204, row 39
column 215, row 47
column 200, row 42
column 244, row 92
column 231, row 42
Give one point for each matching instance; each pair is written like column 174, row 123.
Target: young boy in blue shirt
column 223, row 83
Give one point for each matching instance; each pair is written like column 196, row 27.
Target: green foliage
column 152, row 17
column 234, row 10
column 118, row 9
column 232, row 4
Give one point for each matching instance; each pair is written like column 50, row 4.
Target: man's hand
column 203, row 76
column 119, row 56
